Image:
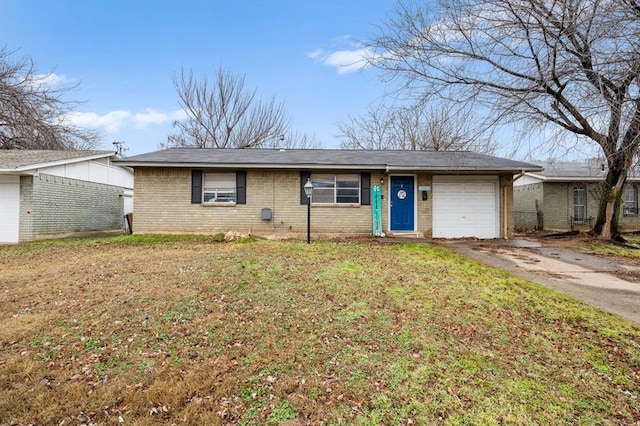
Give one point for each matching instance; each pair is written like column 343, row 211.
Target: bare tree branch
column 224, row 114
column 573, row 65
column 33, row 114
column 432, row 127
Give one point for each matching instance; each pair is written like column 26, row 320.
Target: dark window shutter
column 304, row 176
column 241, row 187
column 365, row 189
column 196, row 186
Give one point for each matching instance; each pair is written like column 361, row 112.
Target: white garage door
column 9, row 209
column 466, row 206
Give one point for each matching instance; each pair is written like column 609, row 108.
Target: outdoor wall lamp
column 381, row 181
column 308, row 190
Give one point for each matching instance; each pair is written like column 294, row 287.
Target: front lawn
column 189, row 330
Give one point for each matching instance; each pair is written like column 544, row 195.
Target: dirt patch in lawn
column 189, row 330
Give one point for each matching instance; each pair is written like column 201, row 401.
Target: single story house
column 46, row 193
column 261, row 191
column 566, row 196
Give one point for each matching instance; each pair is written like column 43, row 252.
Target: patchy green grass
column 189, row 330
column 606, row 248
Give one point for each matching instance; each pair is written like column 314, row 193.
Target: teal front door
column 402, row 203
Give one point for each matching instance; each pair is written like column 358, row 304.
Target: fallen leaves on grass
column 118, row 330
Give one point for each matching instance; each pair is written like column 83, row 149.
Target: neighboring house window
column 579, row 203
column 336, row 189
column 630, row 200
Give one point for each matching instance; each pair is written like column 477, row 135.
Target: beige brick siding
column 557, row 205
column 53, row 205
column 527, row 201
column 506, row 202
column 425, row 207
column 162, row 203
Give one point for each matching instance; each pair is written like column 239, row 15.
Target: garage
column 466, row 206
column 9, row 209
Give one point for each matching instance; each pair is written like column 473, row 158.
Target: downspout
column 505, row 212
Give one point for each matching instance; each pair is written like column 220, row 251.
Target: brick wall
column 527, row 200
column 556, row 202
column 425, row 207
column 162, row 203
column 53, row 205
column 506, row 203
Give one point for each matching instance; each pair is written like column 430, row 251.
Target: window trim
column 583, row 188
column 198, row 187
column 215, row 189
column 356, row 177
column 633, row 210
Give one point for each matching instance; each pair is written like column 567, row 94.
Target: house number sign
column 402, row 194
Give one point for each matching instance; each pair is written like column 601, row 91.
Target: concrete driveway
column 591, row 278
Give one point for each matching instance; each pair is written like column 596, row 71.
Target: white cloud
column 113, row 121
column 46, row 81
column 109, row 122
column 315, row 54
column 344, row 60
column 152, row 116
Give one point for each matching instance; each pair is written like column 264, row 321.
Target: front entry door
column 402, row 203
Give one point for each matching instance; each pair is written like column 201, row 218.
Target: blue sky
column 123, row 54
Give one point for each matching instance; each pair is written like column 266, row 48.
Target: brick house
column 566, row 196
column 260, row 191
column 47, row 193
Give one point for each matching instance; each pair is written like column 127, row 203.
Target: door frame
column 415, row 201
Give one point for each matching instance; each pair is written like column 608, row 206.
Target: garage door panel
column 465, row 207
column 9, row 209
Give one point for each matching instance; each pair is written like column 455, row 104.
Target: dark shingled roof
column 16, row 159
column 445, row 161
column 570, row 171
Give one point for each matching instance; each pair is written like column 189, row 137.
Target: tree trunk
column 606, row 226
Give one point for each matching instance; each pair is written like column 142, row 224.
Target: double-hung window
column 579, row 203
column 336, row 188
column 630, row 200
column 218, row 188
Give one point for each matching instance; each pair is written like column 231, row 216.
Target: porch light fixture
column 381, row 181
column 308, row 190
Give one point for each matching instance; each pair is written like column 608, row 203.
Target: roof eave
column 382, row 167
column 28, row 167
column 251, row 165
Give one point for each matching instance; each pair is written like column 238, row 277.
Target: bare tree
column 375, row 130
column 33, row 113
column 415, row 127
column 571, row 64
column 224, row 114
column 295, row 140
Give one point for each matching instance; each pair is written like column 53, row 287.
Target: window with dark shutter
column 241, row 187
column 196, row 186
column 365, row 189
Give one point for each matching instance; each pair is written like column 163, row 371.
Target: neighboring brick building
column 566, row 196
column 434, row 194
column 45, row 193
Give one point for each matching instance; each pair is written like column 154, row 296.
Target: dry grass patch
column 188, row 330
